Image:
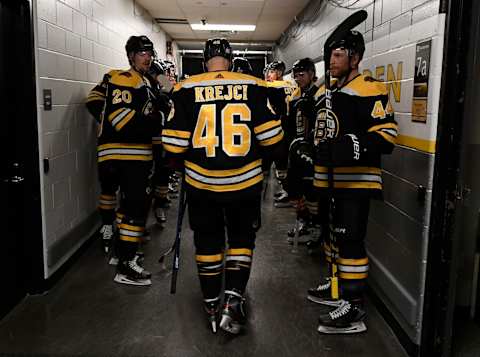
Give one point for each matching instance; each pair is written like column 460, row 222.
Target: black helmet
column 277, row 66
column 241, row 64
column 303, row 65
column 217, row 47
column 139, row 43
column 157, row 67
column 353, row 40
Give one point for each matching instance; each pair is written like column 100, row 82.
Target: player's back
column 220, row 122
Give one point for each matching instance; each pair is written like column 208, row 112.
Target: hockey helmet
column 241, row 65
column 217, row 47
column 277, row 66
column 139, row 43
column 353, row 41
column 303, row 65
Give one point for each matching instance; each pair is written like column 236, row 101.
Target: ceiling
column 271, row 18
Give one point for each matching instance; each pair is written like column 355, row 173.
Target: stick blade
column 349, row 23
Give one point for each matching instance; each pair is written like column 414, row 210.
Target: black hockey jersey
column 362, row 116
column 96, row 97
column 131, row 118
column 301, row 113
column 220, row 122
column 278, row 92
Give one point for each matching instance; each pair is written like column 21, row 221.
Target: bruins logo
column 326, row 125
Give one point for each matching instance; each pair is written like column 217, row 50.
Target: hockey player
column 109, row 185
column 299, row 134
column 278, row 92
column 130, row 121
column 350, row 138
column 242, row 65
column 221, row 126
column 161, row 172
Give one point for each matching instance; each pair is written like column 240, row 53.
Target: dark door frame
column 22, row 165
column 440, row 285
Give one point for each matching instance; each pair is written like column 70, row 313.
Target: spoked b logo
column 326, row 125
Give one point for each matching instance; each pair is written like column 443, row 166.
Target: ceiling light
column 217, row 27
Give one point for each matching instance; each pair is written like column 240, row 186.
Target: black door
column 21, row 258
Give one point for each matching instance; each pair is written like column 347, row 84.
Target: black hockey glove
column 300, row 166
column 344, row 151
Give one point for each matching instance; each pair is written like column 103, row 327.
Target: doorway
column 21, row 261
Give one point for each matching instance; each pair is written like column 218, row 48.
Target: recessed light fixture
column 224, row 27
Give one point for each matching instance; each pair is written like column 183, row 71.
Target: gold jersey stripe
column 210, row 274
column 273, row 140
column 383, row 126
column 266, row 126
column 387, row 137
column 224, row 188
column 125, row 120
column 174, row 149
column 176, row 133
column 223, row 173
column 126, row 157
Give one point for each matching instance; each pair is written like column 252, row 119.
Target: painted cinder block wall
column 398, row 227
column 76, row 42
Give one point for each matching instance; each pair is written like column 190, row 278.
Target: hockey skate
column 106, row 233
column 129, row 272
column 282, row 200
column 322, row 294
column 211, row 308
column 345, row 319
column 303, row 233
column 233, row 313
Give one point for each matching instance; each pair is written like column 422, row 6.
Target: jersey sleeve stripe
column 176, row 142
column 176, row 133
column 266, row 126
column 269, row 134
column 125, row 120
column 387, row 137
column 273, row 140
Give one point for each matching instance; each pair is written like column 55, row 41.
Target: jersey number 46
column 234, row 137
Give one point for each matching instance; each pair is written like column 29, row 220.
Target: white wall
column 77, row 41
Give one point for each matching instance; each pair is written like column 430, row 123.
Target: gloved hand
column 344, row 151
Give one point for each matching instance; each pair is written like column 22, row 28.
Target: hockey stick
column 182, row 202
column 339, row 33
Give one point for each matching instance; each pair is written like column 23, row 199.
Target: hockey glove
column 345, row 151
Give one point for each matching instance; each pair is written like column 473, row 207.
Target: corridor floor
column 87, row 314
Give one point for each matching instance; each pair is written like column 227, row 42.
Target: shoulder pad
column 364, row 87
column 219, row 78
column 127, row 79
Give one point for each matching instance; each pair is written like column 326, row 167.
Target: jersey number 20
column 235, row 137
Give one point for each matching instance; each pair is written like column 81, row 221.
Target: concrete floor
column 87, row 314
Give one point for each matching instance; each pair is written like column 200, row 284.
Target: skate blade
column 122, row 279
column 113, row 261
column 213, row 324
column 227, row 324
column 335, row 303
column 355, row 327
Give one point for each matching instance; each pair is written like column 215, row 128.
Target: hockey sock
column 237, row 268
column 210, row 269
column 107, row 205
column 130, row 235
